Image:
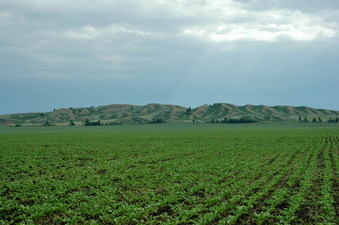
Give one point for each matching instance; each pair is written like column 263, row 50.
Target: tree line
column 318, row 120
column 230, row 120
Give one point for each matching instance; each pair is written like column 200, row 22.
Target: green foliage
column 158, row 120
column 47, row 123
column 90, row 123
column 333, row 120
column 163, row 174
column 241, row 120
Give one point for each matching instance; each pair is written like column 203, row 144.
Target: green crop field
column 170, row 174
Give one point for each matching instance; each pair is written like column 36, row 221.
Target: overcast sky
column 61, row 53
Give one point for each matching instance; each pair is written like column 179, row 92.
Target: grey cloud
column 305, row 6
column 135, row 47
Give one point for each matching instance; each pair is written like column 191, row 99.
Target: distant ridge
column 133, row 114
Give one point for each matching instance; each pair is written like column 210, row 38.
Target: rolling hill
column 130, row 114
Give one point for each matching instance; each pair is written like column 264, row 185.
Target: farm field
column 170, row 174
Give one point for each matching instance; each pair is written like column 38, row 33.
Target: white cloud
column 213, row 20
column 257, row 32
column 90, row 32
column 5, row 15
column 227, row 20
column 202, row 9
column 113, row 29
column 87, row 32
column 267, row 26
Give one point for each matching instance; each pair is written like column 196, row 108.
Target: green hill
column 131, row 114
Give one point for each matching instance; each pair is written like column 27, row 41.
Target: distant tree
column 47, row 123
column 329, row 120
column 337, row 120
column 188, row 111
column 300, row 120
column 54, row 109
column 98, row 123
column 314, row 120
column 215, row 105
column 241, row 120
column 230, row 120
column 88, row 123
column 319, row 120
column 71, row 123
column 158, row 120
column 305, row 120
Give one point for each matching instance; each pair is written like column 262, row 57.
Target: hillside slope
column 125, row 114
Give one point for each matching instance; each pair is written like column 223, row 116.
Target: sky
column 81, row 53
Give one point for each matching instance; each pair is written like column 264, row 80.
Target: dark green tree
column 330, row 120
column 158, row 120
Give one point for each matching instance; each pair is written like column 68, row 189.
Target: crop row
column 170, row 177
